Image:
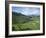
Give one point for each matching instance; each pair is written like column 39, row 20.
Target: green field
column 21, row 22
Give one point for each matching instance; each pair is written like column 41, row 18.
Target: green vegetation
column 22, row 22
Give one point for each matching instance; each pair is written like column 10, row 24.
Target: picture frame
column 8, row 18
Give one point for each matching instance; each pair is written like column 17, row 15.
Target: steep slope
column 19, row 18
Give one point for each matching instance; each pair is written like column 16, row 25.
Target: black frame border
column 7, row 18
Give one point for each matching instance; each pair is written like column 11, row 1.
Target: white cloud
column 27, row 10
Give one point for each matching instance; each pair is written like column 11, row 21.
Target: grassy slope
column 25, row 23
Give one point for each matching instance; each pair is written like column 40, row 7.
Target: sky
column 26, row 10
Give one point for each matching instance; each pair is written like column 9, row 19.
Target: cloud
column 27, row 10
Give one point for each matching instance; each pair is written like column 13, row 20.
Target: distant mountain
column 20, row 18
column 17, row 14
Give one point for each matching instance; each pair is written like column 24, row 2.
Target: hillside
column 20, row 18
column 22, row 22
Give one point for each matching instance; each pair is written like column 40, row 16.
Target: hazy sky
column 27, row 10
